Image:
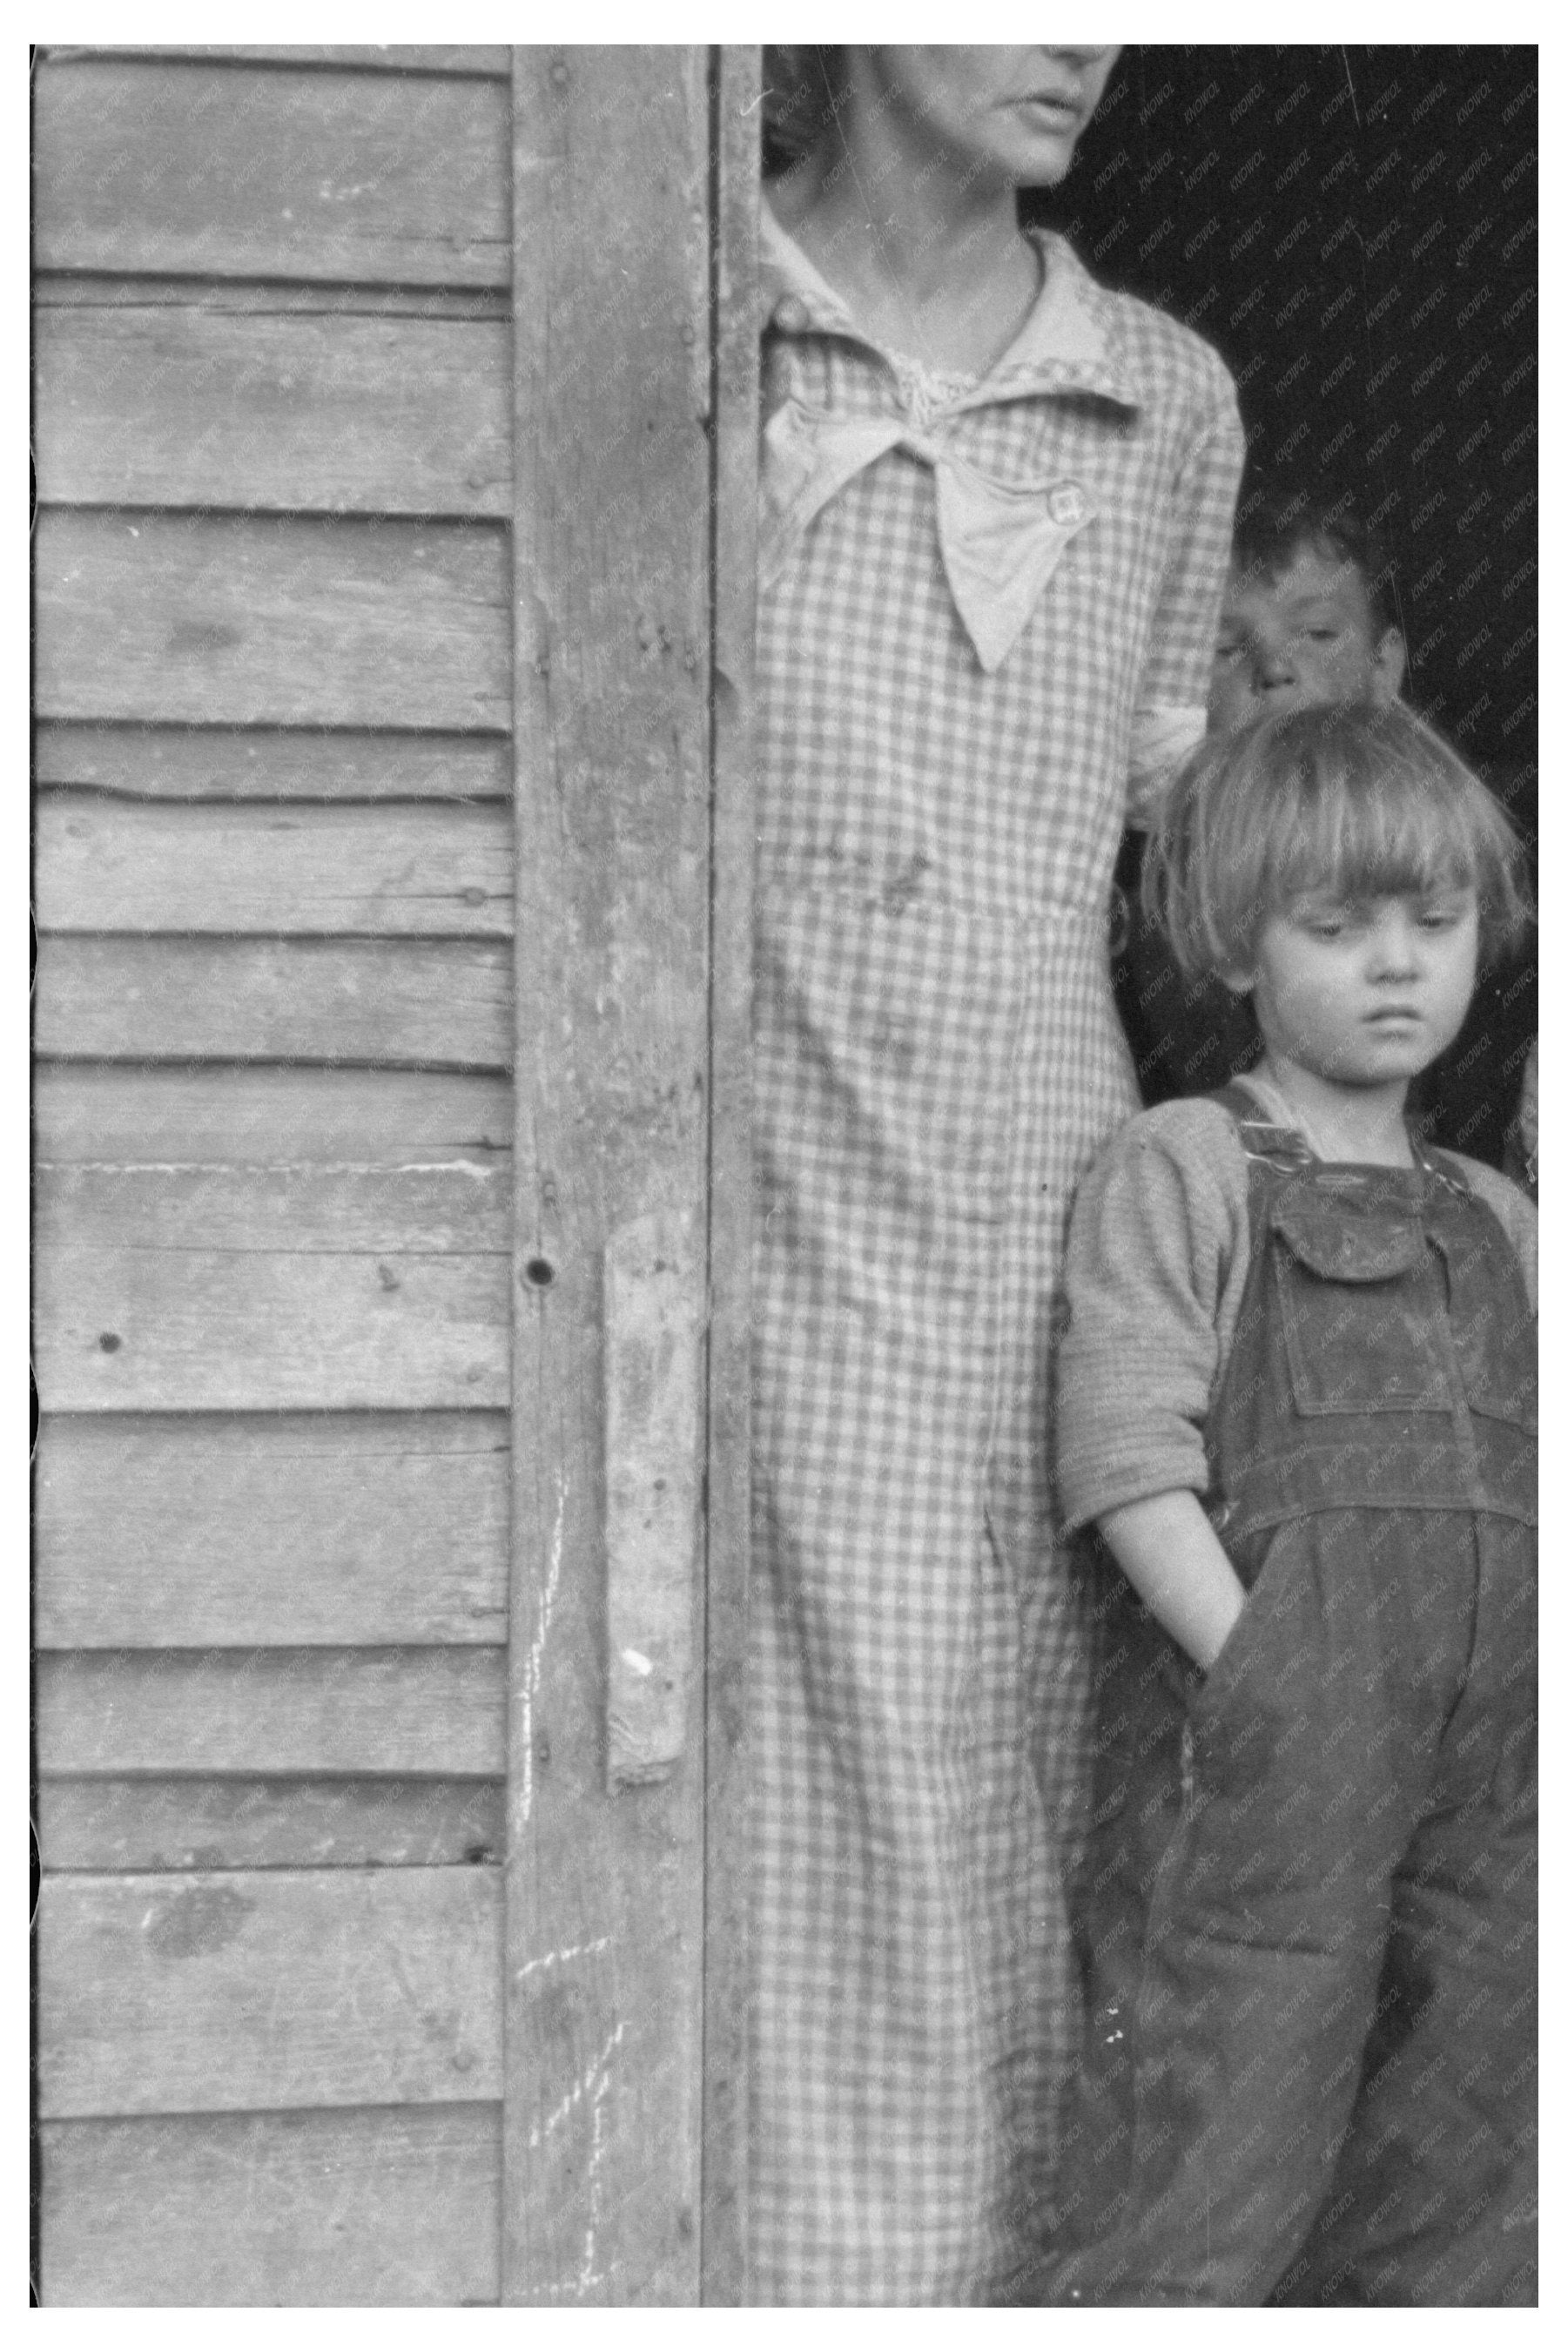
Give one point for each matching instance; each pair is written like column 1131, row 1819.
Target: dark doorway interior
column 1354, row 229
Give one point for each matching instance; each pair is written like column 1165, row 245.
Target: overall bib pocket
column 1371, row 1351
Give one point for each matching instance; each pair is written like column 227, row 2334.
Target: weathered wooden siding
column 275, row 896
column 157, row 406
column 218, row 167
column 366, row 1476
column 329, row 2206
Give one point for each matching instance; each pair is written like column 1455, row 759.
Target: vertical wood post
column 622, row 910
column 737, row 86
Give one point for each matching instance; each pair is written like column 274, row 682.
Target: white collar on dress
column 1067, row 343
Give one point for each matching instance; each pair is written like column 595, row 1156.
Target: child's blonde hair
column 1359, row 802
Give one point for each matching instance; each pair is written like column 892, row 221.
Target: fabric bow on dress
column 1001, row 542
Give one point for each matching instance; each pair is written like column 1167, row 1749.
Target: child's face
column 1012, row 115
column 1364, row 992
column 1305, row 636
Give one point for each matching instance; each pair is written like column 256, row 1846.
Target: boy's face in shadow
column 1304, row 635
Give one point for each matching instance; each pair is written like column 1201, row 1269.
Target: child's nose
column 1275, row 665
column 1396, row 942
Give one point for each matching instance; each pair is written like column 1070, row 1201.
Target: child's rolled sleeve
column 1156, row 1259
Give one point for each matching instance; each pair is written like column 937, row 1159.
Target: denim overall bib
column 1307, row 1905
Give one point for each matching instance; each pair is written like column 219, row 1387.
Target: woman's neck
column 1343, row 1123
column 925, row 264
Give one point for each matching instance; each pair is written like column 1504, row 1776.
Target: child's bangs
column 1400, row 833
column 1331, row 799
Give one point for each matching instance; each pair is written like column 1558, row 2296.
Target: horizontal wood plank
column 268, row 297
column 252, row 1824
column 256, row 619
column 84, row 1111
column 152, row 1330
column 399, row 1003
column 454, row 57
column 181, row 1287
column 163, row 407
column 358, row 2209
column 431, row 1713
column 430, row 1209
column 110, row 864
column 348, row 1529
column 403, row 871
column 204, row 169
column 228, row 1991
column 234, row 763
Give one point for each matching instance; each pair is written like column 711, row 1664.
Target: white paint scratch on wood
column 589, row 2085
column 558, row 1960
column 594, row 2085
column 588, row 2276
column 533, row 1663
column 599, row 2079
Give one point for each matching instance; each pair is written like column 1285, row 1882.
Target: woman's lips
column 1046, row 108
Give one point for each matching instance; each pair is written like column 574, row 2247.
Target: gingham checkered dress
column 937, row 1058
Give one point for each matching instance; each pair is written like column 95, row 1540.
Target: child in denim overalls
column 1307, row 1903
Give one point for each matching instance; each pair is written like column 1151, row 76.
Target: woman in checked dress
column 996, row 514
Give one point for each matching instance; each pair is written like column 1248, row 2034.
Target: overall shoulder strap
column 1261, row 1138
column 1272, row 1152
column 1443, row 1165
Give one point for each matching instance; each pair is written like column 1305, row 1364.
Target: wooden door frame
column 635, row 409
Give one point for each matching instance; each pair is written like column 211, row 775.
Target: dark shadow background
column 1354, row 230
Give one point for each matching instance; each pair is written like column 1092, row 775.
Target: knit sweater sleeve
column 1157, row 1262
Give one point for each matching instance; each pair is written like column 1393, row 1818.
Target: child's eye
column 1325, row 927
column 1323, row 636
column 1438, row 919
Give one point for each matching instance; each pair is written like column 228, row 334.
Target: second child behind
column 1307, row 619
